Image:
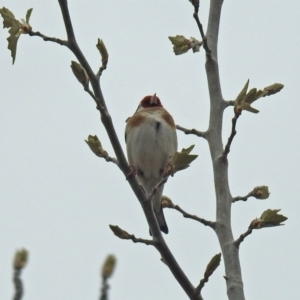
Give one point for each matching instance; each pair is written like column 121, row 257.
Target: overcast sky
column 57, row 198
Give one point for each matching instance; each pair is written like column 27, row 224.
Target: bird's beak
column 153, row 100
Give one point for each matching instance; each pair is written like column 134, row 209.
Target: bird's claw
column 168, row 170
column 133, row 171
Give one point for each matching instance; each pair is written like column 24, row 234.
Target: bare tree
column 213, row 135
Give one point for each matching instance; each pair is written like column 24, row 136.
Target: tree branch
column 230, row 103
column 142, row 241
column 18, row 284
column 191, row 131
column 223, row 228
column 242, row 237
column 104, row 289
column 193, row 217
column 244, row 198
column 47, row 38
column 201, row 284
column 196, row 4
column 160, row 243
column 100, row 71
column 67, row 20
column 106, row 273
column 233, row 133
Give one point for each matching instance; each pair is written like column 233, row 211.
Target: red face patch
column 146, row 102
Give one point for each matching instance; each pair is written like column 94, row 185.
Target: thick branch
column 160, row 243
column 67, row 20
column 191, row 131
column 220, row 165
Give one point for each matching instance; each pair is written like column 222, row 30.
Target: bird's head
column 149, row 101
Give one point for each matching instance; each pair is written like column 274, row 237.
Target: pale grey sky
column 57, row 198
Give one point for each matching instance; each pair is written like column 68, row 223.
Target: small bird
column 151, row 139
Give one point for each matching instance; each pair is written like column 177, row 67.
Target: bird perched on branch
column 151, row 139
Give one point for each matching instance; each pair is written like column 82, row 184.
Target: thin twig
column 101, row 69
column 104, row 289
column 196, row 4
column 194, row 217
column 244, row 198
column 230, row 103
column 18, row 284
column 242, row 237
column 100, row 107
column 201, row 285
column 142, row 241
column 233, row 133
column 48, row 39
column 210, row 269
column 124, row 235
column 191, row 131
column 111, row 159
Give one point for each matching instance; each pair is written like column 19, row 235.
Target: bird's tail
column 161, row 220
column 158, row 210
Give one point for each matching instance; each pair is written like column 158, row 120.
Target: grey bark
column 220, row 163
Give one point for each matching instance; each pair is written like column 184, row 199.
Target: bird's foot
column 133, row 171
column 168, row 171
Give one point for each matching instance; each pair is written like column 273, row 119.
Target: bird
column 151, row 140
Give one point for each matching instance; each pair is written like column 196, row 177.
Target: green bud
column 261, row 192
column 80, row 73
column 166, row 202
column 95, row 145
column 103, row 51
column 108, row 266
column 119, row 232
column 212, row 265
column 20, row 259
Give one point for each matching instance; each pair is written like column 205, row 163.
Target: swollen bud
column 80, row 73
column 108, row 266
column 166, row 202
column 261, row 192
column 119, row 232
column 20, row 259
column 212, row 265
column 103, row 51
column 273, row 89
column 95, row 145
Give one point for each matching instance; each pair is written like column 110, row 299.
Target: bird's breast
column 151, row 140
